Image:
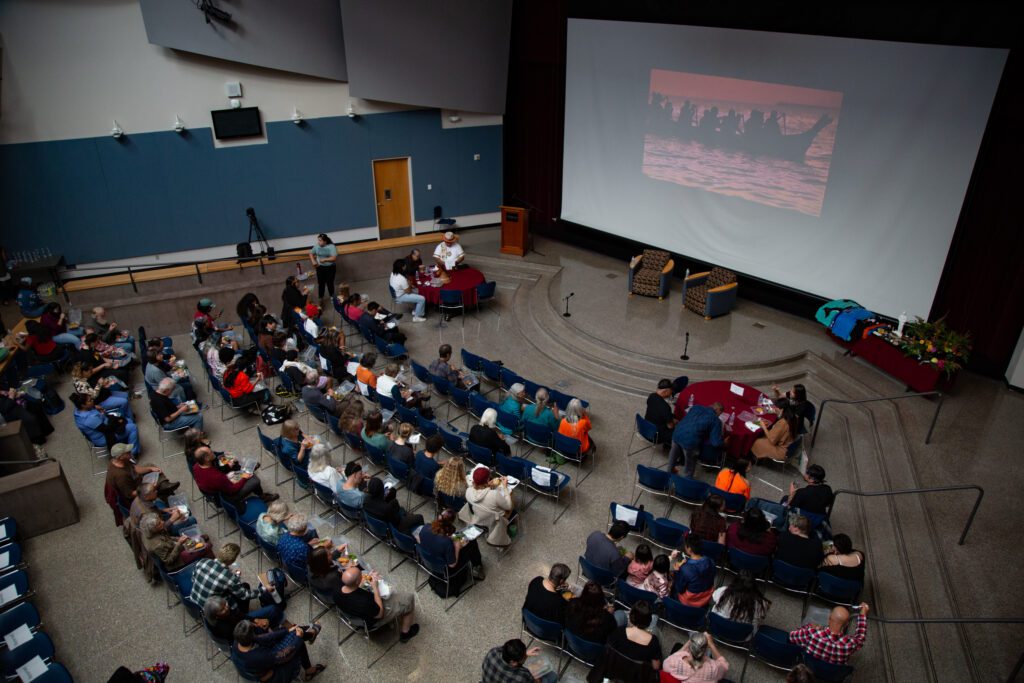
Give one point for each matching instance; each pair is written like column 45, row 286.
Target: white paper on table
column 626, row 515
column 736, row 389
column 7, row 594
column 18, row 637
column 5, row 559
column 32, row 669
column 752, row 426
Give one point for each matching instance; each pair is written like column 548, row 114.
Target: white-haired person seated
column 692, row 661
column 322, row 470
column 487, row 435
column 109, row 331
column 576, row 423
column 274, row 656
column 147, row 500
column 317, row 392
column 270, row 525
column 513, row 403
column 387, row 382
column 173, row 552
column 173, row 414
column 294, row 546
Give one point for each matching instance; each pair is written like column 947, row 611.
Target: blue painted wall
column 95, row 199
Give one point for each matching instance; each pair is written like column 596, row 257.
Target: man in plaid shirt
column 506, row 664
column 831, row 644
column 215, row 577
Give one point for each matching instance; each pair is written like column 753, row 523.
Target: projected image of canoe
column 765, row 142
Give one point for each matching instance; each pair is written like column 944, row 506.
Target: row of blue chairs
column 18, row 611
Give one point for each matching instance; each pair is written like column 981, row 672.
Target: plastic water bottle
column 732, row 419
column 689, row 403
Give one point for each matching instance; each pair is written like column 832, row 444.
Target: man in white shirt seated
column 310, row 323
column 405, row 293
column 449, row 253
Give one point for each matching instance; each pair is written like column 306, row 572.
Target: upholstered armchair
column 711, row 293
column 649, row 273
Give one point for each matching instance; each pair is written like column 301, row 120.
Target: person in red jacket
column 241, row 388
column 236, row 488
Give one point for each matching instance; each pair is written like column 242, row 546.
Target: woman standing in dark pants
column 323, row 256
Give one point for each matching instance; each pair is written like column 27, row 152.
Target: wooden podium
column 515, row 230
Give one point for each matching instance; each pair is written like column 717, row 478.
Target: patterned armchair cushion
column 719, row 277
column 696, row 298
column 647, row 281
column 655, row 258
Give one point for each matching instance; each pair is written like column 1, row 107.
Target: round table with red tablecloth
column 744, row 407
column 463, row 279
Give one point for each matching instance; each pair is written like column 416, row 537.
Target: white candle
column 903, row 321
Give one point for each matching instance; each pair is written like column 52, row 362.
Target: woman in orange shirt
column 364, row 373
column 576, row 423
column 731, row 479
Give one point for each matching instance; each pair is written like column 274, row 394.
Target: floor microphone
column 686, row 347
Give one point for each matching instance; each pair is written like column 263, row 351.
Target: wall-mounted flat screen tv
column 236, row 123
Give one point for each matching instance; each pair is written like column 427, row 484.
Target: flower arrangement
column 935, row 343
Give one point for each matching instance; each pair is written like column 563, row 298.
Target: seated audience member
column 354, row 306
column 486, row 434
column 507, row 664
column 353, row 490
column 125, row 477
column 212, row 481
column 102, row 429
column 692, row 662
column 659, row 581
column 513, row 403
column 635, row 641
column 295, row 296
column 778, row 437
column 816, row 497
column 204, row 321
column 294, row 546
column 707, row 521
column 399, row 449
column 437, row 540
column 311, row 323
column 244, row 392
column 215, row 577
column 145, row 502
column 695, row 578
column 603, row 549
column 173, row 415
column 741, row 601
column 109, row 331
column 589, row 616
column 843, row 561
column 274, row 656
column 449, row 253
column 659, row 412
column 106, row 392
column 249, row 308
column 370, row 606
column 386, row 384
column 270, row 525
column 405, row 291
column 301, row 368
column 317, row 397
column 797, row 398
column 753, row 534
column 731, row 478
column 380, row 327
column 576, row 424
column 544, row 594
column 426, row 460
column 541, row 413
column 413, row 262
column 700, row 424
column 171, row 552
column 29, row 301
column 382, row 503
column 451, row 478
column 490, row 506
column 39, row 344
column 797, row 547
column 443, row 368
column 364, row 374
column 158, row 369
column 196, row 439
column 55, row 320
column 31, row 413
column 831, row 643
column 221, row 360
column 351, row 417
column 222, row 620
column 292, row 443
column 373, row 430
column 332, row 349
column 641, row 566
column 321, row 469
column 269, row 338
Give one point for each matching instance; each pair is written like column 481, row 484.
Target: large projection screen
column 833, row 166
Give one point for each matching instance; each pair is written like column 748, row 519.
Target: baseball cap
column 119, row 449
column 481, row 475
column 206, row 303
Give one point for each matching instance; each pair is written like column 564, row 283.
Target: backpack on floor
column 273, row 415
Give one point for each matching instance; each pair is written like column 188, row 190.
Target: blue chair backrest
column 432, row 563
column 841, row 590
column 422, row 374
column 714, row 550
column 689, row 489
column 410, row 415
column 323, row 493
column 452, row 442
column 334, row 424
column 471, row 360
column 828, row 673
column 229, row 508
column 666, row 532
column 270, row 549
column 586, row 650
column 532, row 387
column 590, row 570
column 441, row 385
column 647, row 430
column 451, row 297
column 298, row 573
column 403, row 542
column 791, row 576
column 614, row 510
column 559, row 399
column 743, row 561
column 485, row 290
column 302, row 476
column 684, row 616
column 353, row 514
column 461, row 397
column 454, row 502
column 377, row 527
column 478, row 404
column 483, row 455
column 39, row 646
column 566, row 445
column 543, row 629
column 508, row 378
column 427, row 427
column 375, row 454
column 398, row 469
column 652, row 478
column 508, row 420
column 56, row 673
column 391, row 291
column 630, row 595
column 387, row 403
column 536, row 433
column 794, row 448
column 729, row 630
column 355, row 441
column 269, row 445
column 24, row 613
column 772, row 645
column 491, row 370
column 735, row 503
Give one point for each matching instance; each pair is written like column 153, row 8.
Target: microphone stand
column 686, row 347
column 567, row 314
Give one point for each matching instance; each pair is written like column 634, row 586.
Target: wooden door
column 391, row 186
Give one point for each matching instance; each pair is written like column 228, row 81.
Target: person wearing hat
column 489, row 505
column 449, row 253
column 28, row 299
column 203, row 321
column 312, row 322
column 816, row 497
column 125, row 476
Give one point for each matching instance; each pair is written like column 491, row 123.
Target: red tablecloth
column 712, row 391
column 883, row 355
column 463, row 279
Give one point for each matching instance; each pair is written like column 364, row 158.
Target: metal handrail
column 958, row 487
column 935, row 417
column 961, row 620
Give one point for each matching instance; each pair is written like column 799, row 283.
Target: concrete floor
column 611, row 352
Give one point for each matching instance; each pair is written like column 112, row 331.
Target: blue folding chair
column 24, row 613
column 583, row 651
column 19, row 580
column 572, row 450
column 403, row 544
column 39, row 646
column 684, row 617
column 536, row 436
column 14, row 558
column 481, row 454
column 688, row 491
column 792, row 579
column 507, row 378
column 490, row 373
column 771, row 646
column 736, row 634
column 512, row 466
column 478, row 404
column 460, row 399
column 665, row 533
column 427, row 427
column 622, row 512
column 485, row 292
column 648, row 434
column 453, row 443
column 627, row 595
column 407, row 414
column 714, row 550
column 377, row 456
column 836, row 591
column 548, row 632
column 591, row 571
column 826, row 672
column 510, row 424
column 433, row 566
column 550, row 484
column 735, row 503
column 755, row 565
column 451, row 300
column 654, row 481
column 444, row 500
column 471, row 360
